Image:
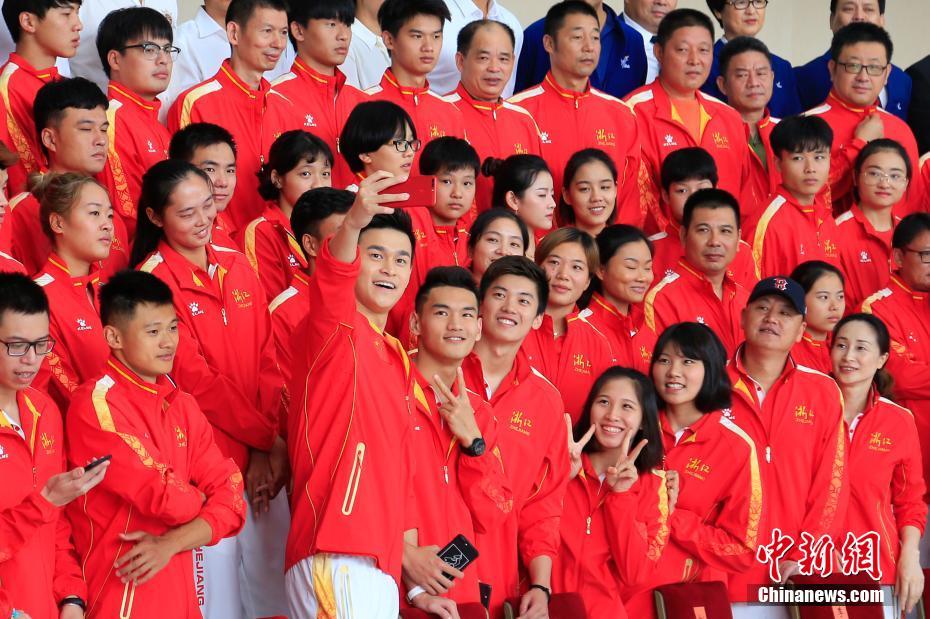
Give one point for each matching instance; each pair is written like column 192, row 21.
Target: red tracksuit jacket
column 254, row 123
column 437, row 246
column 843, row 119
column 226, row 356
column 349, row 429
column 570, row 121
column 81, row 350
column 906, row 313
column 164, row 457
column 288, row 310
column 38, row 565
column 686, row 295
column 571, row 362
column 764, row 178
column 716, row 524
column 532, row 440
column 631, row 340
column 662, row 132
column 884, row 459
column 813, row 354
column 137, row 141
column 9, row 264
column 611, row 541
column 495, row 130
column 456, row 494
column 787, row 234
column 19, row 83
column 31, row 247
column 864, row 255
column 800, row 435
column 319, row 104
column 667, row 250
column 433, row 116
column 273, row 250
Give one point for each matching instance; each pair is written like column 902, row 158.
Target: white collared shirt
column 445, row 77
column 368, row 58
column 651, row 60
column 86, row 63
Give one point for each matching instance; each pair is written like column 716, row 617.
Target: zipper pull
column 445, row 473
column 588, row 526
column 223, row 313
column 768, row 454
column 494, row 114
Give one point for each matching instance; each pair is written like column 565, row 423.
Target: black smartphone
column 97, row 463
column 459, row 553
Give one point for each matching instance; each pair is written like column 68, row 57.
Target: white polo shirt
column 367, row 60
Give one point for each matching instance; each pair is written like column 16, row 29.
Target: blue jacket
column 620, row 71
column 814, row 85
column 785, row 100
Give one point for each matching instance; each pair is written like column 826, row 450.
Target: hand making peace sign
column 622, row 475
column 457, row 411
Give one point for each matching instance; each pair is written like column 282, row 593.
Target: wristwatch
column 476, row 448
column 73, row 600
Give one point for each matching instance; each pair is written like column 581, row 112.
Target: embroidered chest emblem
column 581, row 365
column 436, row 132
column 720, row 140
column 625, row 62
column 864, row 257
column 697, row 468
column 520, row 423
column 309, row 121
column 182, row 438
column 670, row 140
column 700, row 320
column 544, row 137
column 82, row 325
column 151, row 147
column 194, row 308
column 292, row 261
column 520, row 149
column 605, row 137
column 804, row 415
column 48, row 443
column 243, row 298
column 3, row 454
column 879, row 442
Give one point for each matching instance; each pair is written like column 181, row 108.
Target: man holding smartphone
column 460, row 480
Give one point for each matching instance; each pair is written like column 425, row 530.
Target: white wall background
column 795, row 29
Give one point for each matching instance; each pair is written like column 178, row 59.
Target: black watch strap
column 476, row 448
column 545, row 590
column 73, row 600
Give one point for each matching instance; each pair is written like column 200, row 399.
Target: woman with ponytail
column 77, row 219
column 887, row 497
column 523, row 183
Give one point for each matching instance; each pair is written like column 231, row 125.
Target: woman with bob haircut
column 884, row 458
column 378, row 136
column 615, row 518
column 825, row 295
column 713, row 531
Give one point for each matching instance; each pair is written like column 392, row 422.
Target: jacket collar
column 120, row 372
column 834, row 99
column 570, row 96
column 47, row 75
column 389, row 81
column 336, row 81
column 189, row 275
column 487, row 108
column 58, row 266
column 118, row 92
column 898, row 283
column 229, row 78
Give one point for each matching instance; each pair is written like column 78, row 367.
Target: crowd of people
column 664, row 306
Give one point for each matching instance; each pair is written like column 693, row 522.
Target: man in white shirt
column 86, row 63
column 445, row 77
column 204, row 46
column 644, row 16
column 368, row 57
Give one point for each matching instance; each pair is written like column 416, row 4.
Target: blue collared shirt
column 814, row 85
column 620, row 70
column 785, row 100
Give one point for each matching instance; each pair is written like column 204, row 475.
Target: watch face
column 478, row 447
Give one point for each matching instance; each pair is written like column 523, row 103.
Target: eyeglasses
column 856, row 68
column 151, row 50
column 742, row 5
column 403, row 146
column 874, row 177
column 923, row 253
column 42, row 347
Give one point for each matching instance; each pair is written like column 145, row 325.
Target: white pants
column 330, row 586
column 242, row 577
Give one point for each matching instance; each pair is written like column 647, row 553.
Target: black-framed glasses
column 42, row 347
column 855, row 68
column 403, row 146
column 151, row 50
column 742, row 5
column 923, row 253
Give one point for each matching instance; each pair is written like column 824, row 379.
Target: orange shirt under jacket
column 137, row 141
column 532, row 440
column 800, row 434
column 611, row 541
column 495, row 129
column 884, row 459
column 572, row 361
column 166, row 471
column 570, row 121
column 630, row 338
column 455, row 493
column 906, row 313
column 349, row 429
column 716, row 524
column 686, row 295
column 38, row 565
column 226, row 357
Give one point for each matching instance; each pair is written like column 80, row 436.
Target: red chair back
column 693, row 600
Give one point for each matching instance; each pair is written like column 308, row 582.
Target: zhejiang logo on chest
column 580, row 364
column 804, row 415
column 520, row 423
column 605, row 138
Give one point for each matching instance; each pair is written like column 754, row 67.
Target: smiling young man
column 572, row 115
column 672, row 113
column 513, row 297
column 349, row 427
column 238, row 96
column 135, row 47
column 860, row 65
column 795, row 417
column 43, row 30
column 71, row 117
